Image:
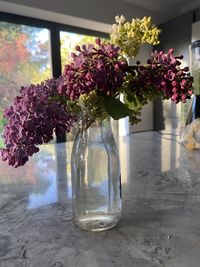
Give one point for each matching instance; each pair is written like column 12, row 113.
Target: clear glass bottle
column 96, row 181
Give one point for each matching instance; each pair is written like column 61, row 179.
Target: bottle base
column 98, row 222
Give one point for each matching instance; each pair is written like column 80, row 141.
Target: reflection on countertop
column 160, row 221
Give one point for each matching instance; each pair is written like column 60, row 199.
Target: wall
column 94, row 10
column 146, row 123
column 197, row 15
column 176, row 34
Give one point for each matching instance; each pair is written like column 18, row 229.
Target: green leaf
column 115, row 108
column 134, row 104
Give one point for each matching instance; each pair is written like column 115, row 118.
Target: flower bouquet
column 91, row 85
column 97, row 84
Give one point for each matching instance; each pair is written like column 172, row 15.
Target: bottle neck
column 86, row 123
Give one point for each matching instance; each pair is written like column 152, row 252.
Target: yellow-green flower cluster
column 130, row 35
column 92, row 104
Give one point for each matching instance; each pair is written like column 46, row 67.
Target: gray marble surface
column 160, row 224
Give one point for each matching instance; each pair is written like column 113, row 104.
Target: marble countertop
column 160, row 224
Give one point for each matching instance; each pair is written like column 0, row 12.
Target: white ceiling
column 88, row 15
column 167, row 7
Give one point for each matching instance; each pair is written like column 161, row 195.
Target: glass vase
column 96, row 181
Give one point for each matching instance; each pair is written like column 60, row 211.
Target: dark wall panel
column 197, row 15
column 176, row 34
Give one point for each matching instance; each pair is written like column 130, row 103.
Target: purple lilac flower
column 163, row 74
column 94, row 67
column 31, row 121
column 175, row 83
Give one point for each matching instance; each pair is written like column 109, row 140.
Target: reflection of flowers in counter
column 90, row 89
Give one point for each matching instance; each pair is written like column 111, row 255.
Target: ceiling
column 93, row 15
column 167, row 7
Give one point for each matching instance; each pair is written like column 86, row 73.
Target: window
column 24, row 58
column 32, row 50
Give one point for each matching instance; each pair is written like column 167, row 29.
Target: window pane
column 24, row 59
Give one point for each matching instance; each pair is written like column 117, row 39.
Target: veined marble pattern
column 160, row 225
